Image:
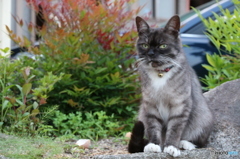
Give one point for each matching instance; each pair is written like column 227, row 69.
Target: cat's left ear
column 142, row 25
column 173, row 24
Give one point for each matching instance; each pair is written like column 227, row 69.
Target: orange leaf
column 42, row 101
column 72, row 103
column 9, row 30
column 21, row 23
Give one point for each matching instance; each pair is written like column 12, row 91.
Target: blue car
column 196, row 43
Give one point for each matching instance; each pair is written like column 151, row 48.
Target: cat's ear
column 142, row 25
column 173, row 24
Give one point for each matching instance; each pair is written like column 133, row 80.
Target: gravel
column 110, row 146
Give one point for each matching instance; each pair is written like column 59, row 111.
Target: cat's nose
column 151, row 53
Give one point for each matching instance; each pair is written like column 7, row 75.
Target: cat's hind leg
column 137, row 141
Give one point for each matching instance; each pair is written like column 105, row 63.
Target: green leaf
column 226, row 73
column 35, row 105
column 209, row 68
column 6, row 89
column 26, row 88
column 19, row 102
column 4, row 105
column 99, row 70
column 5, row 50
column 21, row 108
column 34, row 112
column 19, row 87
column 210, row 60
column 26, row 114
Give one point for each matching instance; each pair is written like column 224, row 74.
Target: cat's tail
column 137, row 141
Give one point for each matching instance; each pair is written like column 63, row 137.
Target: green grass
column 63, row 147
column 30, row 148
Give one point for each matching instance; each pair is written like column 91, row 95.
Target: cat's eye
column 145, row 46
column 162, row 46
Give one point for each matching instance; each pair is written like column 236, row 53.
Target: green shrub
column 93, row 125
column 21, row 99
column 221, row 69
column 83, row 40
column 224, row 34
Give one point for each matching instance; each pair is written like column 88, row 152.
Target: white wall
column 164, row 9
column 18, row 9
column 5, row 19
column 183, row 6
column 22, row 11
column 147, row 7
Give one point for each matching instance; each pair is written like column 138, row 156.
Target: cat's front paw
column 152, row 148
column 173, row 151
column 186, row 145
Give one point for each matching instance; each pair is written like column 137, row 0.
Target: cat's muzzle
column 156, row 63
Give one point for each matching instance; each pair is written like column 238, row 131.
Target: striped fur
column 173, row 107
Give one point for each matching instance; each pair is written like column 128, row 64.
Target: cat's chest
column 160, row 110
column 157, row 83
column 163, row 111
column 160, row 93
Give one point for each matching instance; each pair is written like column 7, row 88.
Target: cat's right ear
column 142, row 25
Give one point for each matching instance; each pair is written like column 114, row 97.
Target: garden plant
column 223, row 31
column 81, row 80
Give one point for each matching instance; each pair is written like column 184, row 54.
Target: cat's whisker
column 140, row 59
column 139, row 62
column 178, row 65
column 172, row 61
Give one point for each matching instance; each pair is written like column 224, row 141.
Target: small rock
column 84, row 143
column 128, row 135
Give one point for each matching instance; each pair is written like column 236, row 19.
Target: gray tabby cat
column 173, row 114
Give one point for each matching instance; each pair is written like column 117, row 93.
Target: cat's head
column 159, row 47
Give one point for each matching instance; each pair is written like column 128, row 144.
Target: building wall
column 5, row 14
column 8, row 10
column 165, row 9
column 159, row 11
column 22, row 11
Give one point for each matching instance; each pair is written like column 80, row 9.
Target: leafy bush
column 92, row 43
column 221, row 69
column 224, row 34
column 93, row 126
column 20, row 101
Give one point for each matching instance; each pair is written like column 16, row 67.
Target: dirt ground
column 111, row 146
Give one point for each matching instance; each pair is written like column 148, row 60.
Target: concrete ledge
column 207, row 153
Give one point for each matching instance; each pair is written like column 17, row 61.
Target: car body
column 18, row 52
column 196, row 43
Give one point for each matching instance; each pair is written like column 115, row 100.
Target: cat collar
column 165, row 70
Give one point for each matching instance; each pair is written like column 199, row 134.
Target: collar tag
column 160, row 75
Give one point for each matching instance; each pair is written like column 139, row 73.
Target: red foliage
column 100, row 19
